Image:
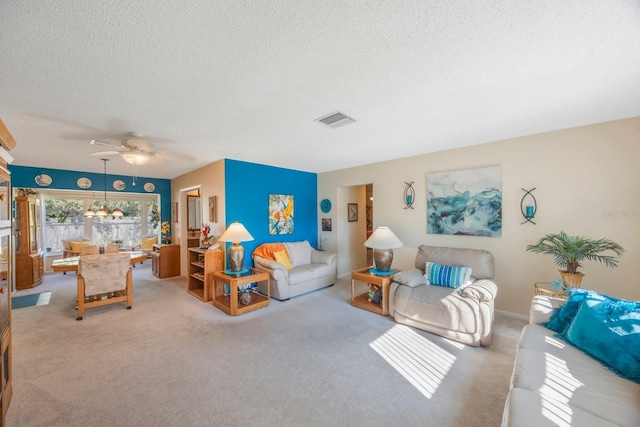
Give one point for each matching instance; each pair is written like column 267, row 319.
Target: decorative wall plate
column 325, row 205
column 43, row 179
column 119, row 185
column 84, row 183
column 149, row 187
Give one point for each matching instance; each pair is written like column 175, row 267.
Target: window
column 63, row 211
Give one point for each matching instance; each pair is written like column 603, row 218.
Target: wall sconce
column 528, row 206
column 409, row 195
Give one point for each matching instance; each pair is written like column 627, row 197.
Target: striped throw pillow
column 447, row 275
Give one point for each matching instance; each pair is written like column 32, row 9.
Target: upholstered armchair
column 112, row 248
column 434, row 302
column 104, row 279
column 88, row 250
column 71, row 247
column 147, row 242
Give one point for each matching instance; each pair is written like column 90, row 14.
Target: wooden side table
column 546, row 288
column 362, row 301
column 230, row 304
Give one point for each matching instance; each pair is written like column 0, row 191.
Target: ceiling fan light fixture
column 136, row 158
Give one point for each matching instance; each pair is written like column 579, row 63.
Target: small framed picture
column 174, row 211
column 326, row 224
column 352, row 212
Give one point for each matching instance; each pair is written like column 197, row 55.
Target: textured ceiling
column 246, row 79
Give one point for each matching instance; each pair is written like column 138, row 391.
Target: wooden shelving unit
column 202, row 264
column 6, row 274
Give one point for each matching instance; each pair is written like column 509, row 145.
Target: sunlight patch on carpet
column 417, row 359
column 30, row 300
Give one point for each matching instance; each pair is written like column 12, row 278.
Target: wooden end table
column 362, row 301
column 546, row 288
column 230, row 304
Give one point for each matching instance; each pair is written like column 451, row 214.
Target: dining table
column 71, row 263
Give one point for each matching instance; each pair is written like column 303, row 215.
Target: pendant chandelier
column 103, row 212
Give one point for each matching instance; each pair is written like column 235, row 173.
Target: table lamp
column 236, row 233
column 383, row 241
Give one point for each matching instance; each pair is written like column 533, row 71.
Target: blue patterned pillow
column 447, row 275
column 608, row 329
column 561, row 317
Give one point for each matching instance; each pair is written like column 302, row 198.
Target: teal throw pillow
column 562, row 317
column 608, row 329
column 447, row 275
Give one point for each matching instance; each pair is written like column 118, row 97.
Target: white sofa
column 556, row 384
column 310, row 269
column 464, row 314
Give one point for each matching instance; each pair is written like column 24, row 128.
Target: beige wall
column 210, row 180
column 586, row 183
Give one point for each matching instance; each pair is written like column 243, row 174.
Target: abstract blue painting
column 465, row 202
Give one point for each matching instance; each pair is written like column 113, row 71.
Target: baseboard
column 513, row 315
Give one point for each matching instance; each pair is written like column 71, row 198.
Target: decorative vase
column 245, row 298
column 572, row 279
column 204, row 241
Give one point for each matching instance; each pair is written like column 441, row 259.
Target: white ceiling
column 246, row 79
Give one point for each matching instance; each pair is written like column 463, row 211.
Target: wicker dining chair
column 104, row 279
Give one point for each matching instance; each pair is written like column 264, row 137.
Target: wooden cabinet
column 28, row 253
column 165, row 261
column 6, row 274
column 202, row 264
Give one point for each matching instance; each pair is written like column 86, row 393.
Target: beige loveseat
column 310, row 269
column 556, row 384
column 463, row 314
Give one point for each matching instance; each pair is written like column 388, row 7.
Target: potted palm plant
column 569, row 251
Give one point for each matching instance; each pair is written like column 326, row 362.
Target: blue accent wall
column 24, row 177
column 247, row 189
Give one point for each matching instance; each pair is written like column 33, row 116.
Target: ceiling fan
column 137, row 150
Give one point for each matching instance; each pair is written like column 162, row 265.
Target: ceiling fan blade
column 105, row 153
column 169, row 155
column 105, row 144
column 139, row 143
column 156, row 161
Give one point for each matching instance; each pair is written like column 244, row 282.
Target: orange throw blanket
column 266, row 250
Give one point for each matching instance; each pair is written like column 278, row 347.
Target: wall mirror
column 194, row 212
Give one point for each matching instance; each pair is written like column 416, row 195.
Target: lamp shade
column 236, row 232
column 383, row 238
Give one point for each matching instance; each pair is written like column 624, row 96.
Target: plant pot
column 572, row 279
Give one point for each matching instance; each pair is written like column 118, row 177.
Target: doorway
column 352, row 226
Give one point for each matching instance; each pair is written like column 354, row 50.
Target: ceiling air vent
column 335, row 120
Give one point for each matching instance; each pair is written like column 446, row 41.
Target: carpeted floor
column 314, row 360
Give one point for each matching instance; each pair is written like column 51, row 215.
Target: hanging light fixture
column 103, row 212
